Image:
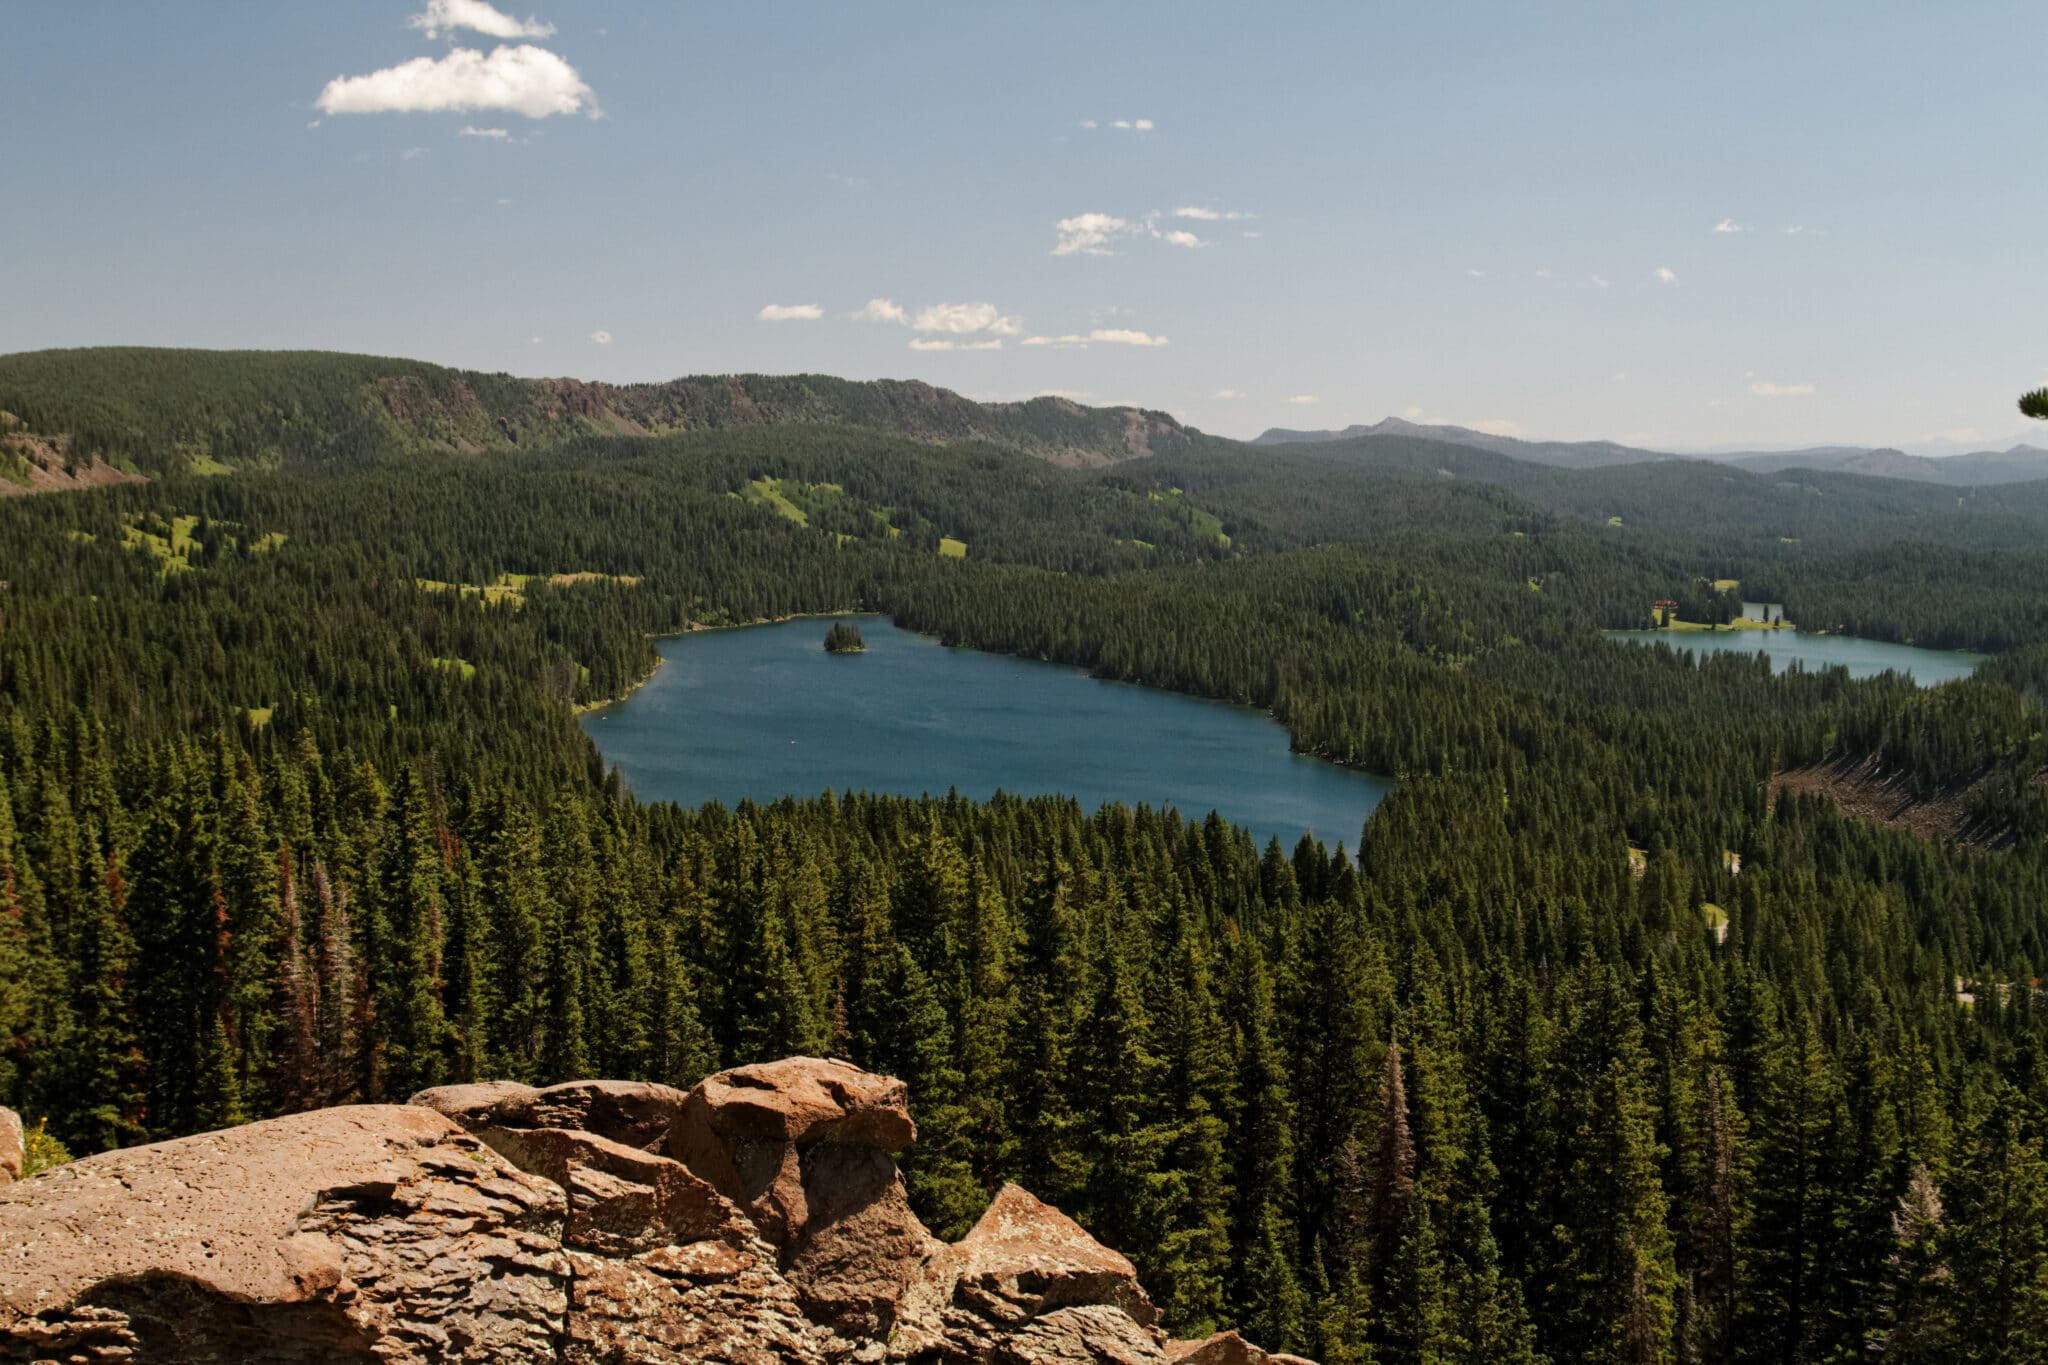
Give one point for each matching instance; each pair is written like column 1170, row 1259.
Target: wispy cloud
column 882, row 310
column 414, row 153
column 494, row 134
column 964, row 318
column 1664, row 274
column 790, row 312
column 1089, row 234
column 1102, row 336
column 445, row 16
column 524, row 80
column 1729, row 225
column 601, row 337
column 1092, row 234
column 1498, row 426
column 1764, row 388
column 1303, row 399
column 1228, row 394
column 930, row 344
column 1208, row 215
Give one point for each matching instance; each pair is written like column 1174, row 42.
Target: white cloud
column 1764, row 388
column 600, row 336
column 518, row 80
column 1180, row 238
column 1089, row 234
column 948, row 344
column 1303, row 399
column 1104, row 336
column 1498, row 426
column 445, row 16
column 964, row 318
column 1665, row 275
column 1207, row 215
column 1729, row 225
column 1071, row 395
column 882, row 310
column 315, row 123
column 1227, row 393
column 1129, row 125
column 1476, row 274
column 1089, row 123
column 1599, row 281
column 1124, row 336
column 414, row 153
column 494, row 134
column 790, row 312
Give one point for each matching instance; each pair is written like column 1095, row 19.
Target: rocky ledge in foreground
column 759, row 1219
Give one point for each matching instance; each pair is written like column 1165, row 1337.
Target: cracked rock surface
column 759, row 1219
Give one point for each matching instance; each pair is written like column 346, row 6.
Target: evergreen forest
column 1598, row 1043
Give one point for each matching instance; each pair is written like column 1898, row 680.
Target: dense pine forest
column 1591, row 1046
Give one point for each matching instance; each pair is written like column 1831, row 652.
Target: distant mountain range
column 1975, row 469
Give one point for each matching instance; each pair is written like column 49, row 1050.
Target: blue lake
column 1863, row 658
column 764, row 712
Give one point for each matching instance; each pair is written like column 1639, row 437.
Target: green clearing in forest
column 509, row 589
column 1201, row 521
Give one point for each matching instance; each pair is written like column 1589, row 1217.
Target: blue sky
column 1488, row 214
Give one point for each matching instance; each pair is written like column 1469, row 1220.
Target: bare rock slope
column 758, row 1220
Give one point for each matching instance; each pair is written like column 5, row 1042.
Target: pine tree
column 411, row 1031
column 1916, row 1326
column 1997, row 1242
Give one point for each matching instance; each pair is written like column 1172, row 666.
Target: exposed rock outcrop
column 804, row 1145
column 335, row 1234
column 13, row 1146
column 1226, row 1348
column 758, row 1220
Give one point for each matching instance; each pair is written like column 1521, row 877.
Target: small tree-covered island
column 844, row 638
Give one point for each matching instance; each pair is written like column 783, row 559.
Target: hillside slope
column 153, row 411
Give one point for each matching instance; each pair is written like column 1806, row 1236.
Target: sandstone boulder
column 803, row 1147
column 1018, row 1280
column 375, row 1230
column 622, row 1200
column 13, row 1146
column 471, row 1105
column 1226, row 1348
column 860, row 1243
column 803, row 1100
column 636, row 1113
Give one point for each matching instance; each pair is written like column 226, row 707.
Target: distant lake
column 1863, row 658
column 764, row 712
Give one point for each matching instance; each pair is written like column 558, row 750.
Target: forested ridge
column 294, row 811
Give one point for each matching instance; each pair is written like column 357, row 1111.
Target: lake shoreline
column 751, row 716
